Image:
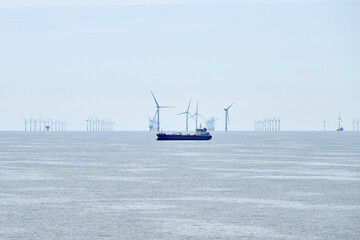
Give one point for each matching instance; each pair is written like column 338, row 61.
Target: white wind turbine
column 255, row 125
column 93, row 120
column 44, row 122
column 25, row 123
column 52, row 124
column 97, row 124
column 324, row 121
column 35, row 124
column 227, row 119
column 40, row 121
column 187, row 116
column 278, row 120
column 30, row 124
column 266, row 125
column 87, row 123
column 275, row 124
column 158, row 111
column 196, row 115
column 353, row 122
column 340, row 120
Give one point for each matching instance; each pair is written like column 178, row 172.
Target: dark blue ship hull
column 163, row 136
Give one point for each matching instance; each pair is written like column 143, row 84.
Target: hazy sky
column 298, row 60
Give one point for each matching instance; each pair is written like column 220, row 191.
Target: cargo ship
column 201, row 134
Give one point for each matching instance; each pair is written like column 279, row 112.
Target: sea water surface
column 126, row 185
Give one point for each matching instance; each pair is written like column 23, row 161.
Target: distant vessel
column 201, row 134
column 340, row 129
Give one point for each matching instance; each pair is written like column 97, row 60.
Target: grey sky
column 298, row 60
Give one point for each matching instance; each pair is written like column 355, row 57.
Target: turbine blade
column 166, row 107
column 230, row 106
column 157, row 104
column 201, row 116
column 188, row 106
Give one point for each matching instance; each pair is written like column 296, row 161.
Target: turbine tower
column 158, row 111
column 324, row 121
column 227, row 119
column 187, row 116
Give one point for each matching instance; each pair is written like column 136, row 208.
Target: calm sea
column 126, row 185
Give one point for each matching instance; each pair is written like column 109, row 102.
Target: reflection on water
column 128, row 186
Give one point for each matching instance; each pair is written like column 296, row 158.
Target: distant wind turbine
column 278, row 120
column 25, row 123
column 227, row 119
column 340, row 120
column 324, row 121
column 353, row 122
column 44, row 122
column 40, row 121
column 196, row 115
column 52, row 124
column 158, row 111
column 87, row 123
column 187, row 116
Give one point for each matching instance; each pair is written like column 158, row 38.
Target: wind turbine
column 44, row 122
column 40, row 121
column 35, row 124
column 353, row 122
column 97, row 124
column 271, row 121
column 227, row 119
column 279, row 123
column 324, row 121
column 196, row 114
column 25, row 123
column 87, row 123
column 187, row 116
column 93, row 120
column 255, row 125
column 275, row 124
column 52, row 124
column 30, row 124
column 266, row 125
column 158, row 111
column 340, row 120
